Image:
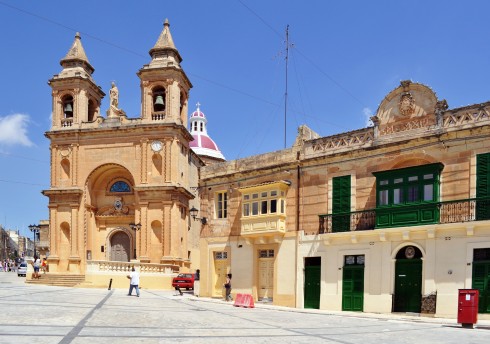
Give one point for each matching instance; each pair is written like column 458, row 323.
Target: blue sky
column 345, row 58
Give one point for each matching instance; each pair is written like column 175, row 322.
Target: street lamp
column 35, row 231
column 135, row 227
column 194, row 212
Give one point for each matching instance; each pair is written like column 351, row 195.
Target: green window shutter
column 341, row 203
column 483, row 186
column 482, row 175
column 341, row 195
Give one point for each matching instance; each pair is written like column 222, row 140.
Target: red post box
column 467, row 307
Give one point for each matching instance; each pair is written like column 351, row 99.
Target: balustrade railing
column 158, row 116
column 466, row 210
column 67, row 122
column 103, row 266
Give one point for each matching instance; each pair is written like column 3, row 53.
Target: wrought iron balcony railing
column 466, row 210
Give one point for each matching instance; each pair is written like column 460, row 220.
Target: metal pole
column 286, row 93
column 34, row 237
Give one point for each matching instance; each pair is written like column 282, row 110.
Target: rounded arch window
column 67, row 106
column 120, row 186
column 92, row 110
column 158, row 97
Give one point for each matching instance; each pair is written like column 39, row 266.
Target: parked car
column 183, row 281
column 22, row 269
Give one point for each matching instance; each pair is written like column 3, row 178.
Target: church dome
column 203, row 145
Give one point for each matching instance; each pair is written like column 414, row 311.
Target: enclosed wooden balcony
column 263, row 226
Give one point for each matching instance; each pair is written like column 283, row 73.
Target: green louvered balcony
column 467, row 210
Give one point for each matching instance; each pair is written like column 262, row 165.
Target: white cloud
column 13, row 130
column 367, row 117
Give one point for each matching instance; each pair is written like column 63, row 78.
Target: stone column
column 77, row 108
column 144, row 161
column 144, row 234
column 53, row 259
column 74, row 231
column 168, row 160
column 166, row 228
column 74, row 167
column 74, row 259
column 54, row 166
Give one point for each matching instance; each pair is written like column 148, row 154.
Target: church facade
column 389, row 218
column 121, row 188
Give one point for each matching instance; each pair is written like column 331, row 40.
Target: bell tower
column 164, row 85
column 76, row 97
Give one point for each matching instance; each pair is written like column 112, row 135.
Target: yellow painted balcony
column 263, row 225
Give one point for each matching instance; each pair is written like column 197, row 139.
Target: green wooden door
column 408, row 285
column 312, row 286
column 483, row 186
column 353, row 288
column 341, row 204
column 481, row 281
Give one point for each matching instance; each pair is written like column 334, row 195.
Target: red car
column 183, row 281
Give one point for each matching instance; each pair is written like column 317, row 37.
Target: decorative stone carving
column 441, row 106
column 339, row 141
column 118, row 208
column 405, row 84
column 467, row 116
column 65, row 151
column 406, row 106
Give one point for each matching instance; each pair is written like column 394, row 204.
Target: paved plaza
column 42, row 314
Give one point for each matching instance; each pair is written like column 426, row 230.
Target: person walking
column 37, row 265
column 227, row 286
column 134, row 281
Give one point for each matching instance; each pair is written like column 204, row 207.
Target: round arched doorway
column 408, row 280
column 120, row 247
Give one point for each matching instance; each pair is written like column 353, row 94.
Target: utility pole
column 286, row 92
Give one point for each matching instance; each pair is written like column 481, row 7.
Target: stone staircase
column 59, row 280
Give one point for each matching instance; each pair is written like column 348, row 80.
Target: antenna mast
column 286, row 92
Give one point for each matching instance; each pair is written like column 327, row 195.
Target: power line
column 233, row 89
column 262, row 20
column 129, row 50
column 305, row 57
column 17, row 182
column 71, row 29
column 23, row 157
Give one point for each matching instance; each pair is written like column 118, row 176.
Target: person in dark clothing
column 227, row 286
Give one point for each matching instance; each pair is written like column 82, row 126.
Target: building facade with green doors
column 388, row 218
column 409, row 196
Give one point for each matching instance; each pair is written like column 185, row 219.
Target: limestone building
column 121, row 188
column 389, row 218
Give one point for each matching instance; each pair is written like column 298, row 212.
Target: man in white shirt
column 134, row 281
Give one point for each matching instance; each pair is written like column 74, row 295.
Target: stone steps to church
column 61, row 280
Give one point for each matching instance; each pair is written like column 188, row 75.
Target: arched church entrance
column 120, row 247
column 408, row 280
